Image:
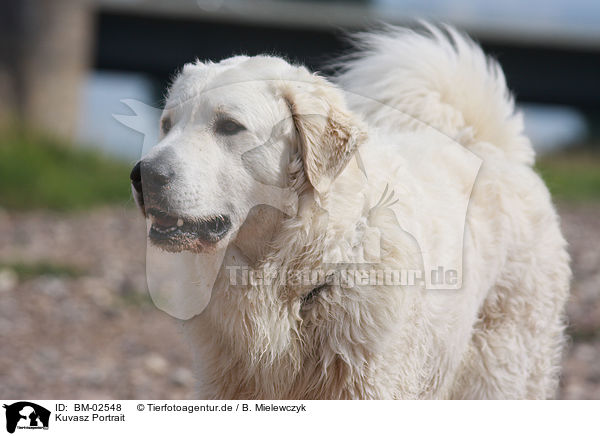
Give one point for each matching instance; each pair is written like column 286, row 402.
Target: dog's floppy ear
column 328, row 132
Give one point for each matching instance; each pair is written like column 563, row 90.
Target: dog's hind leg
column 517, row 342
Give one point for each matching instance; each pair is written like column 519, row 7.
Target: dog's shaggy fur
column 499, row 336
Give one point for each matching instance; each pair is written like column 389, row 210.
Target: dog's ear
column 328, row 132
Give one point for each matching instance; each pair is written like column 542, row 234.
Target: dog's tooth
column 179, row 222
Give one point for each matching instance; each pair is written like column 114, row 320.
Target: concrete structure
column 44, row 57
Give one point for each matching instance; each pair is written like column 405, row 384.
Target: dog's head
column 232, row 135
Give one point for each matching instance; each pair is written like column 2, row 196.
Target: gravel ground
column 94, row 333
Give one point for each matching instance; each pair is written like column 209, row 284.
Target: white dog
column 419, row 164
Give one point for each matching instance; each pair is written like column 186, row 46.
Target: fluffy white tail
column 438, row 78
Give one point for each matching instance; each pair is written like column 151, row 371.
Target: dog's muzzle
column 172, row 231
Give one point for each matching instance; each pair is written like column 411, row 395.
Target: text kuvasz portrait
column 378, row 162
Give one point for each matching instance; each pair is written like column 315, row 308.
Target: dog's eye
column 228, row 127
column 165, row 125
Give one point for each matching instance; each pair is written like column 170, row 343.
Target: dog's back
column 403, row 80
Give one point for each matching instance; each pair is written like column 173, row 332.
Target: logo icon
column 26, row 415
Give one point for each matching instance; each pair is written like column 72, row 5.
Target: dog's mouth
column 177, row 233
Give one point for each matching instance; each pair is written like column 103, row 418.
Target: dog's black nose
column 151, row 176
column 136, row 177
column 156, row 174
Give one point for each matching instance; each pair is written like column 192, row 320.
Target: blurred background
column 75, row 317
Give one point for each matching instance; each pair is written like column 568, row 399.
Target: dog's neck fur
column 257, row 329
column 266, row 340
